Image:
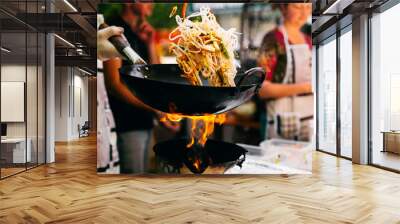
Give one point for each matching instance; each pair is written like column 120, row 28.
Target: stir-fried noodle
column 204, row 50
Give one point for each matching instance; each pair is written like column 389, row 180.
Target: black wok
column 162, row 87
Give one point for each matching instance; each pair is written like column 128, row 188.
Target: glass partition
column 22, row 89
column 15, row 150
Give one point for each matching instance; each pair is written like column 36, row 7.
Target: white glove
column 105, row 50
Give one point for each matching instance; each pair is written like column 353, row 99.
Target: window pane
column 386, row 88
column 327, row 96
column 346, row 93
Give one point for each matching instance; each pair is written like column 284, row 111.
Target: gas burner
column 215, row 157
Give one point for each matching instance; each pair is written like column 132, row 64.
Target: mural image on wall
column 205, row 88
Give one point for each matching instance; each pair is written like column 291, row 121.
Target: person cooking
column 133, row 119
column 286, row 55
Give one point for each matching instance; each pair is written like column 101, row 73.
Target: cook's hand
column 146, row 32
column 105, row 50
column 306, row 87
column 171, row 125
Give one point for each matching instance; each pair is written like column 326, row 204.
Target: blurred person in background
column 286, row 56
column 106, row 141
column 134, row 120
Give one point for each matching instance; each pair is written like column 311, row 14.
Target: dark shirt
column 127, row 116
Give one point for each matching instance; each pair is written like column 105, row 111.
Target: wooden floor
column 387, row 159
column 10, row 171
column 70, row 191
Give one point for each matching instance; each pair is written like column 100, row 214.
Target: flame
column 202, row 126
column 196, row 164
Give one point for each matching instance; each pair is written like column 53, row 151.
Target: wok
column 162, row 87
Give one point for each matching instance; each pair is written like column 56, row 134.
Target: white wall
column 61, row 103
column 80, row 101
column 71, row 94
column 12, row 73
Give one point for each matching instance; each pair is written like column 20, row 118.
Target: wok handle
column 252, row 72
column 118, row 41
column 123, row 47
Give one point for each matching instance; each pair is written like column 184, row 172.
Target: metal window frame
column 338, row 97
column 339, row 32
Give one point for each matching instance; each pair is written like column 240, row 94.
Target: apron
column 296, row 109
column 107, row 154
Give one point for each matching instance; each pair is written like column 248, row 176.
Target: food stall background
column 252, row 21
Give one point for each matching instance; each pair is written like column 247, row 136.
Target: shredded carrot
column 184, row 10
column 173, row 11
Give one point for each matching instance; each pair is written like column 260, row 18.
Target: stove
column 270, row 157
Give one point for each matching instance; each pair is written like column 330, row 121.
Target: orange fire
column 202, row 126
column 196, row 164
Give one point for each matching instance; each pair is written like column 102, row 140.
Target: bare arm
column 276, row 90
column 117, row 88
column 154, row 58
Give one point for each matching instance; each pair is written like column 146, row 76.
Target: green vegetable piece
column 196, row 19
column 223, row 50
